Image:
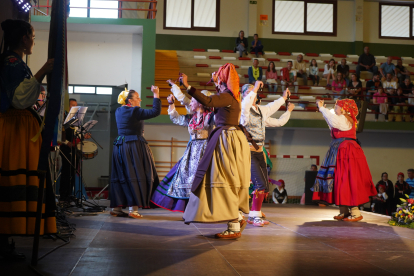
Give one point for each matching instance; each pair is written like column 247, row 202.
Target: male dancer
column 255, row 118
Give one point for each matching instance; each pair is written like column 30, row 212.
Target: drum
column 89, row 150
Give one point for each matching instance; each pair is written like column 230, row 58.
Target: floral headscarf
column 228, row 74
column 350, row 107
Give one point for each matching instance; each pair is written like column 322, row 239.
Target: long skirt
column 344, row 177
column 133, row 175
column 19, row 182
column 224, row 189
column 174, row 190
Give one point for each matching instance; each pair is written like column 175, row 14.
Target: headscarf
column 228, row 75
column 123, row 96
column 350, row 107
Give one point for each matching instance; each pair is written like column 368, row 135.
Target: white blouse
column 334, row 121
column 328, row 71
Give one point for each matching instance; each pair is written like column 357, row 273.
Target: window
column 98, row 8
column 307, row 17
column 201, row 15
column 396, row 21
column 87, row 89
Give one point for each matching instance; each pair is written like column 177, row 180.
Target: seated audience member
column 380, row 106
column 339, row 87
column 389, row 190
column 406, row 86
column 411, row 104
column 366, row 62
column 344, row 69
column 380, row 201
column 372, row 86
column 330, row 70
column 300, row 66
column 388, row 68
column 271, row 77
column 255, row 72
column 314, row 72
column 256, row 45
column 401, row 189
column 355, row 89
column 400, row 105
column 289, row 77
column 402, row 72
column 390, row 87
column 279, row 194
column 241, row 44
column 410, row 181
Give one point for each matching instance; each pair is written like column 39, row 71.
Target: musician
column 70, row 160
column 19, row 156
column 41, row 99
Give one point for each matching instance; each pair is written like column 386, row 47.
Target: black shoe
column 9, row 252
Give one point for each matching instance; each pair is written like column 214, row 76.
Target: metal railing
column 152, row 8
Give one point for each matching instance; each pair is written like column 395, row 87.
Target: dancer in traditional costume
column 255, row 118
column 221, row 185
column 19, row 156
column 133, row 175
column 174, row 190
column 344, row 177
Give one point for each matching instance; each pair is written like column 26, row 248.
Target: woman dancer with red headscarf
column 221, row 184
column 344, row 178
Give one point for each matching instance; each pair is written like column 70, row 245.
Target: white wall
column 96, row 58
column 385, row 151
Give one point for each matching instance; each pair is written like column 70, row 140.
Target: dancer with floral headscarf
column 221, row 184
column 344, row 178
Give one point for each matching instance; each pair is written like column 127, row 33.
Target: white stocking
column 133, row 209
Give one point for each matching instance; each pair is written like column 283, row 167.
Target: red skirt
column 352, row 185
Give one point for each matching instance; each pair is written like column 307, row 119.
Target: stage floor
column 300, row 240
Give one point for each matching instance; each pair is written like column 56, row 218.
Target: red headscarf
column 228, row 74
column 350, row 108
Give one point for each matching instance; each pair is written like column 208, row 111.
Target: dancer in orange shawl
column 344, row 178
column 221, row 184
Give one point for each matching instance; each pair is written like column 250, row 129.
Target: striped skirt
column 19, row 182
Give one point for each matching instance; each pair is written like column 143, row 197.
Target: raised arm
column 181, row 120
column 220, row 100
column 340, row 122
column 247, row 103
column 181, row 97
column 145, row 114
column 269, row 109
column 273, row 122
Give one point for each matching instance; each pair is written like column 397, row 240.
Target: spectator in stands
column 330, row 70
column 411, row 104
column 410, row 181
column 372, row 86
column 271, row 77
column 355, row 89
column 344, row 69
column 256, row 45
column 389, row 190
column 402, row 72
column 366, row 62
column 289, row 77
column 255, row 72
column 300, row 66
column 388, row 68
column 399, row 102
column 380, row 106
column 339, row 86
column 314, row 72
column 406, row 86
column 401, row 188
column 390, row 87
column 241, row 44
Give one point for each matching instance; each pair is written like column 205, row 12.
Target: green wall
column 187, row 43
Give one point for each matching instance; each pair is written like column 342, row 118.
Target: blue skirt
column 133, row 175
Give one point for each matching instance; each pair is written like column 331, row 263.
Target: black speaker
column 362, row 112
column 310, row 177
